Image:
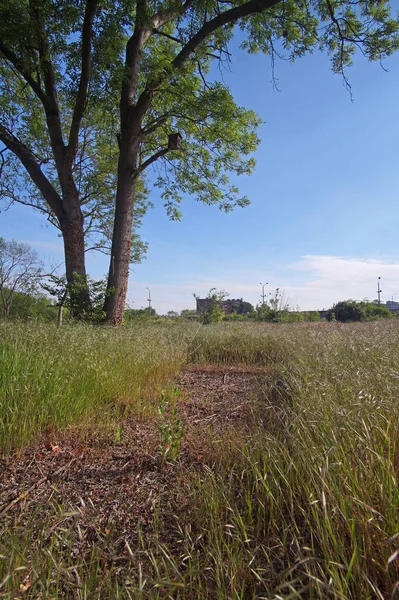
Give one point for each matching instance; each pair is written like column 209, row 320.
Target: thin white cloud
column 313, row 282
column 329, row 279
column 53, row 246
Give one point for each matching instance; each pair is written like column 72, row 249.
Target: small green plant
column 276, row 310
column 170, row 425
column 213, row 312
column 118, row 432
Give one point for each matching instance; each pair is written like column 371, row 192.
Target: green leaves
column 218, row 139
column 41, row 73
column 337, row 26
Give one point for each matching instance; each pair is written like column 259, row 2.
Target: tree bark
column 118, row 276
column 74, row 249
column 59, row 316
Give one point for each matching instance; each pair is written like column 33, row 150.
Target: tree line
column 23, row 280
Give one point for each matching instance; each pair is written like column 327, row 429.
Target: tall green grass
column 310, row 508
column 258, row 344
column 306, row 505
column 50, row 378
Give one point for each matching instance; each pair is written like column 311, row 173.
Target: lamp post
column 379, row 290
column 263, row 291
column 149, row 301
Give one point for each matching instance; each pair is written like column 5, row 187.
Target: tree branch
column 155, row 124
column 170, row 37
column 80, row 105
column 342, row 40
column 202, row 75
column 161, row 18
column 14, row 198
column 229, row 16
column 152, row 159
column 30, row 163
column 142, row 32
column 19, row 66
column 134, row 45
column 52, row 108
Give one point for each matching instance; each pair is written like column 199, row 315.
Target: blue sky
column 324, row 213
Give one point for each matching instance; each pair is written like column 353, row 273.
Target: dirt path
column 105, row 490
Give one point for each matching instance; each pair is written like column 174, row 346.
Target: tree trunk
column 118, row 277
column 73, row 236
column 59, row 316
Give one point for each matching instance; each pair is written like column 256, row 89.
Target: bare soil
column 110, row 488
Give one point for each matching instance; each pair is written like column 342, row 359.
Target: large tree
column 95, row 92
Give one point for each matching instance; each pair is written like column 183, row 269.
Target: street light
column 379, row 290
column 263, row 291
column 149, row 301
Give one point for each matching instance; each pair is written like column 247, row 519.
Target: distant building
column 323, row 313
column 393, row 306
column 228, row 306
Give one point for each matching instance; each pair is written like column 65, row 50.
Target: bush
column 348, row 311
column 26, row 307
column 311, row 315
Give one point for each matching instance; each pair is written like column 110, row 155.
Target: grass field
column 235, row 461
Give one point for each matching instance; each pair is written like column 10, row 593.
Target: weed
column 170, row 424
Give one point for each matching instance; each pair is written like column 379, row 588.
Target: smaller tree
column 312, row 315
column 275, row 311
column 346, row 311
column 20, row 271
column 373, row 311
column 213, row 312
column 245, row 308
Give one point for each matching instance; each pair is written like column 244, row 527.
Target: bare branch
column 14, row 198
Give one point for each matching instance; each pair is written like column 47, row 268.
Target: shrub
column 348, row 311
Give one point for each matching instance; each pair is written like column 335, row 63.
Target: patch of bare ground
column 216, row 398
column 115, row 495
